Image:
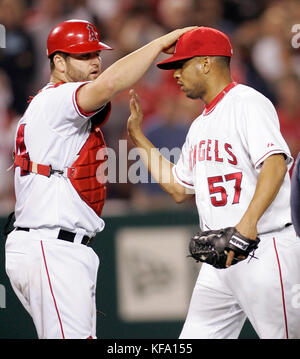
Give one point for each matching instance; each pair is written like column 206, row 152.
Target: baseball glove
column 213, row 246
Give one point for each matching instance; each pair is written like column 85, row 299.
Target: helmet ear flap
column 74, row 37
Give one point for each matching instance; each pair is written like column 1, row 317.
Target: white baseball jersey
column 222, row 156
column 221, row 160
column 55, row 130
column 41, row 267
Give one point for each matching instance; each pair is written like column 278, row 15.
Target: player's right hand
column 135, row 119
column 168, row 41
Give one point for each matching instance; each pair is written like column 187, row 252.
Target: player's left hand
column 135, row 119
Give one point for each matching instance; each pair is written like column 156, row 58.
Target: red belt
column 45, row 170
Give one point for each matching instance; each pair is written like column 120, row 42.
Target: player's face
column 190, row 78
column 83, row 67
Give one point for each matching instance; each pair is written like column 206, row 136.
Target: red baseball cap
column 203, row 41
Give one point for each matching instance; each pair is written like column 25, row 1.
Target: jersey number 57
column 218, row 192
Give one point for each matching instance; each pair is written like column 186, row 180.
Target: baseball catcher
column 213, row 246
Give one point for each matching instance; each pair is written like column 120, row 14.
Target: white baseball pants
column 56, row 282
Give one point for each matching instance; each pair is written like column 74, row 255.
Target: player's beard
column 195, row 90
column 75, row 75
column 192, row 89
column 193, row 93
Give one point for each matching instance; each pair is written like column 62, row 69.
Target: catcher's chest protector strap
column 85, row 173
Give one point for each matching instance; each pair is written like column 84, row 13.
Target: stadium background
column 142, row 289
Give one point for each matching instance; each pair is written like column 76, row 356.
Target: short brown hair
column 52, row 65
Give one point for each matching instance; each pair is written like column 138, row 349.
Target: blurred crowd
column 264, row 58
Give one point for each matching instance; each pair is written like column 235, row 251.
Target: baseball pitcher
column 235, row 162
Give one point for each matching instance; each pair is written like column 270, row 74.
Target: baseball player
column 60, row 191
column 235, row 161
column 295, row 196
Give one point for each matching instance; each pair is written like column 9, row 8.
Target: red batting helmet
column 74, row 37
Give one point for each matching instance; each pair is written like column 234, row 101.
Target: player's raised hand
column 168, row 41
column 135, row 119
